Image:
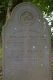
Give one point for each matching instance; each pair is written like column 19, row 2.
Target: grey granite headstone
column 26, row 45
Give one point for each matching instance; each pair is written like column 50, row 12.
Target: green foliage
column 52, row 41
column 3, row 11
column 45, row 5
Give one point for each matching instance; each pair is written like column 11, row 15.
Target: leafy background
column 6, row 7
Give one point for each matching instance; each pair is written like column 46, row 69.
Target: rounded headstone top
column 26, row 13
column 27, row 18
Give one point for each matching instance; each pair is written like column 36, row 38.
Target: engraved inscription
column 27, row 18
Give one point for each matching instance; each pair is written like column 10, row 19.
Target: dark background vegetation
column 6, row 7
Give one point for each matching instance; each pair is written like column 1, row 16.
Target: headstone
column 26, row 45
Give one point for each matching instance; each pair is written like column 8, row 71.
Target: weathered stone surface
column 26, row 45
